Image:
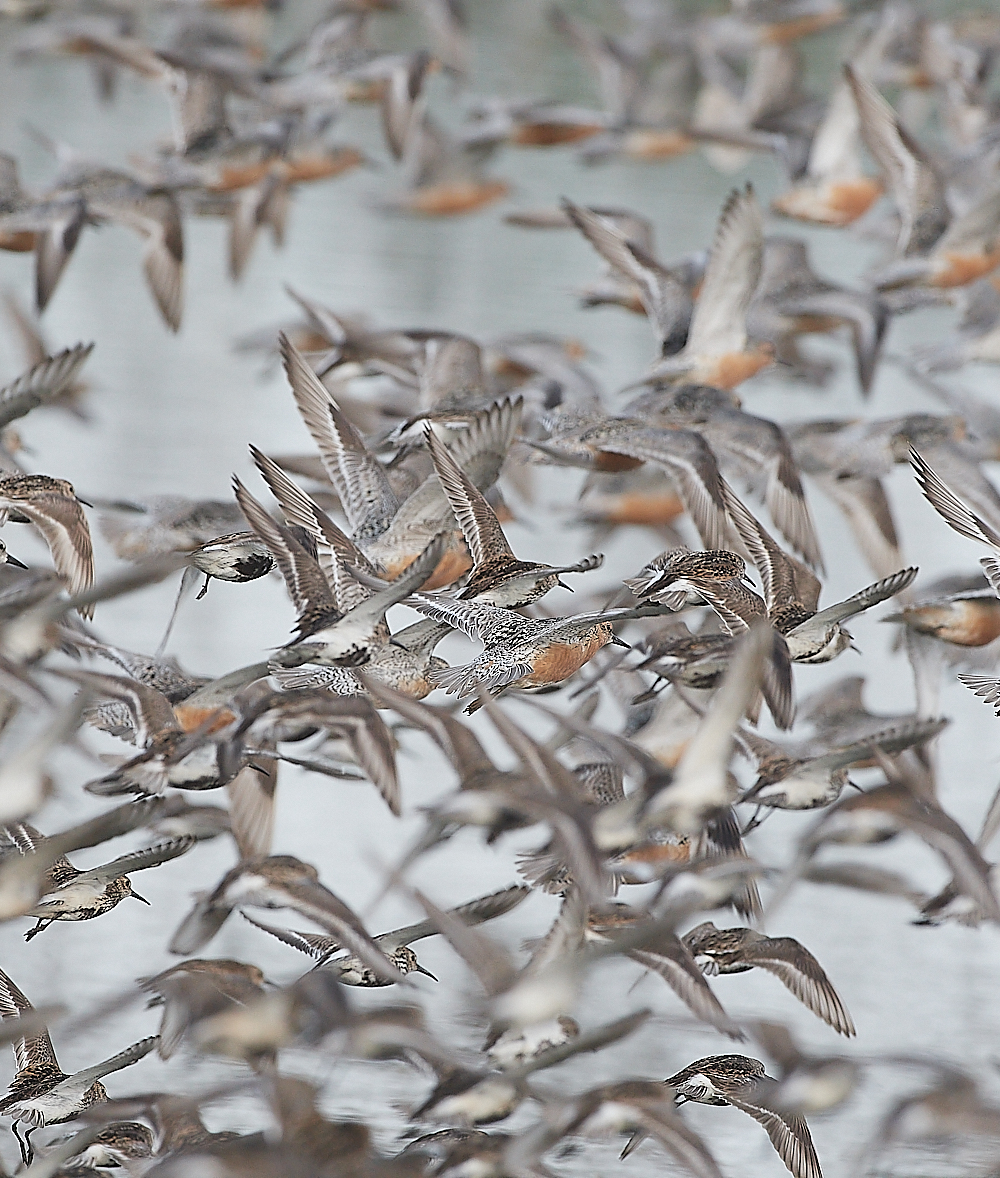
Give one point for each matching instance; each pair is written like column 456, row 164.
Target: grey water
column 175, row 414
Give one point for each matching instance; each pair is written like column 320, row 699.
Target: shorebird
column 734, row 1080
column 136, row 529
column 669, row 957
column 747, row 447
column 640, row 498
column 175, row 752
column 197, row 989
column 701, row 786
column 529, row 652
column 956, row 513
column 964, row 617
column 41, row 1093
column 113, row 195
column 807, row 1083
column 730, row 113
column 599, row 782
column 787, row 780
column 528, row 122
column 346, row 640
column 717, row 351
column 497, row 578
column 163, row 673
column 472, row 1098
column 83, row 895
column 27, row 858
column 641, row 1107
column 833, row 188
column 600, row 443
column 839, row 713
column 646, row 87
column 976, row 338
column 952, row 1109
column 791, row 593
column 279, row 881
column 351, row 971
column 791, row 300
column 176, row 1120
column 119, row 1144
column 389, row 533
column 443, row 174
column 681, row 577
column 49, row 224
column 737, row 950
column 882, row 813
column 238, row 557
column 858, row 493
column 693, row 660
column 53, row 507
column 933, row 247
column 661, row 295
column 490, row 798
column 404, row 662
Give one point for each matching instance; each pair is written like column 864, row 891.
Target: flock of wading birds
column 415, row 432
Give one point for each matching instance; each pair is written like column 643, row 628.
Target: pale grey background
column 175, row 414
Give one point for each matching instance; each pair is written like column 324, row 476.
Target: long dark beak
column 136, row 896
column 426, row 972
column 15, row 562
column 84, row 502
column 616, row 641
column 562, row 585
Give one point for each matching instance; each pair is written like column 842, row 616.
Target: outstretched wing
column 803, row 975
column 137, row 861
column 719, row 321
column 476, row 518
column 362, row 484
column 474, row 912
column 948, row 505
column 33, row 1049
column 312, row 944
column 689, row 460
column 43, row 382
column 858, row 602
column 774, row 566
column 789, row 1135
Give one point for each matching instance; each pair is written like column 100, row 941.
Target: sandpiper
column 396, row 944
column 736, row 950
column 48, row 379
column 119, row 1144
column 53, row 507
column 746, row 446
column 197, row 989
column 84, row 895
column 529, row 652
column 41, row 1093
column 279, row 881
column 933, row 247
column 792, row 593
column 717, row 351
column 681, row 577
column 601, row 443
column 733, row 1080
column 667, row 956
column 787, row 780
column 497, row 576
